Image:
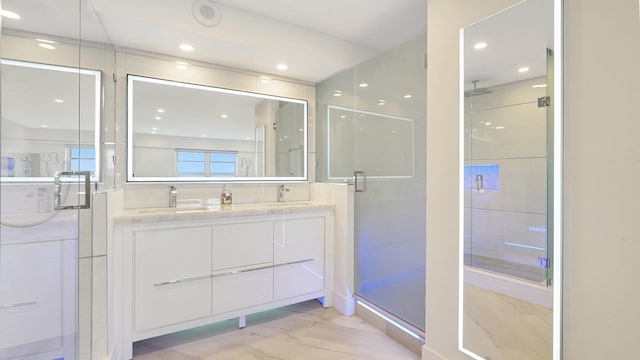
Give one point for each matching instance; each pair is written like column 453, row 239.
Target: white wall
column 601, row 171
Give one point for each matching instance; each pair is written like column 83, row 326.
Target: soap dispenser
column 226, row 196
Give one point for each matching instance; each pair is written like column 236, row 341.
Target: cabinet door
column 242, row 265
column 31, row 297
column 172, row 271
column 298, row 257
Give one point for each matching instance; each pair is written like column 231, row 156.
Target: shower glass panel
column 506, row 172
column 375, row 127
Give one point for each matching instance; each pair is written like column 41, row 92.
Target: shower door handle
column 479, row 183
column 363, row 187
column 57, row 190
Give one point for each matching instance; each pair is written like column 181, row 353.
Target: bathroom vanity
column 179, row 268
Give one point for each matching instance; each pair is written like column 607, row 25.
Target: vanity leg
column 242, row 321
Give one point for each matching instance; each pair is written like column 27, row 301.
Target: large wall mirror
column 187, row 132
column 510, row 185
column 50, row 121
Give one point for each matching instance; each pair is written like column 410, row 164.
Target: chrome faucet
column 173, row 196
column 281, row 190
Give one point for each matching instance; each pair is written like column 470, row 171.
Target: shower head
column 477, row 91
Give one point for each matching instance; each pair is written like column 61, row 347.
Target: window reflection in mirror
column 43, row 107
column 188, row 132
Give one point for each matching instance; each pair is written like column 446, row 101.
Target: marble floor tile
column 500, row 327
column 301, row 331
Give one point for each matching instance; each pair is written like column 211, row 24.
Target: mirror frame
column 237, row 179
column 557, row 183
column 97, row 74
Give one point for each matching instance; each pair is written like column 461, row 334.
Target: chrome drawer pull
column 170, row 282
column 295, row 262
column 18, row 304
column 242, row 271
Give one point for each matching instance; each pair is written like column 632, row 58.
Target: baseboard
column 523, row 290
column 345, row 304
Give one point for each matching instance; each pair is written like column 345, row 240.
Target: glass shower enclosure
column 374, row 131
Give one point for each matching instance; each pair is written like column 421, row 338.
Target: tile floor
column 301, row 331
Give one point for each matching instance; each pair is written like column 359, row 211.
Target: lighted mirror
column 511, row 129
column 188, row 132
column 50, row 121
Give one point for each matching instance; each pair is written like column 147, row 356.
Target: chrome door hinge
column 544, row 101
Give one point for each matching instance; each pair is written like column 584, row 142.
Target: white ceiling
column 315, row 38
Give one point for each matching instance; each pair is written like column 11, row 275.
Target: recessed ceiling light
column 337, row 94
column 300, row 129
column 408, row 96
column 155, row 128
column 247, row 138
column 44, row 126
column 479, row 46
column 9, row 14
column 487, row 123
column 158, row 118
column 224, row 116
column 59, row 101
column 160, row 110
column 47, row 46
column 186, row 47
column 394, row 132
column 204, row 135
column 381, row 103
column 153, row 132
column 282, row 67
column 265, row 79
column 46, row 41
column 540, row 86
column 523, row 69
column 343, row 116
column 286, row 137
column 364, row 85
column 361, row 129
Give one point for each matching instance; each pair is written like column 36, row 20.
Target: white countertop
column 132, row 216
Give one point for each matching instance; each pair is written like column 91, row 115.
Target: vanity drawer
column 246, row 288
column 242, row 244
column 172, row 276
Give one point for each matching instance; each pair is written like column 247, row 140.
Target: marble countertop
column 133, row 216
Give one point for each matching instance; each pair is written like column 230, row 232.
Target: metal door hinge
column 115, row 78
column 544, row 101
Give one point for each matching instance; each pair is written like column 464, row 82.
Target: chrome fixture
column 173, row 196
column 281, row 190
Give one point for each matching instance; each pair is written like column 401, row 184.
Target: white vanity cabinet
column 195, row 268
column 242, row 265
column 298, row 257
column 171, row 276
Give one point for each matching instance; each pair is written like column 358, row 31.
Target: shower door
column 375, row 140
column 49, row 109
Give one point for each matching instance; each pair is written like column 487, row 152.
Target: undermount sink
column 173, row 210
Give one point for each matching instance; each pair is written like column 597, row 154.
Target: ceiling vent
column 206, row 13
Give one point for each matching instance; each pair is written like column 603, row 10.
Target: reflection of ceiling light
column 487, row 123
column 47, row 46
column 285, row 137
column 361, row 129
column 182, row 65
column 381, row 103
column 393, row 131
column 480, row 45
column 408, row 96
column 158, row 118
column 153, row 132
column 265, row 79
column 224, row 116
column 540, row 86
column 282, row 67
column 204, row 135
column 499, row 127
column 523, row 69
column 364, row 85
column 59, row 101
column 343, row 116
column 186, row 47
column 337, row 94
column 247, row 138
column 46, row 41
column 300, row 129
column 44, row 126
column 154, row 129
column 160, row 110
column 9, row 14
